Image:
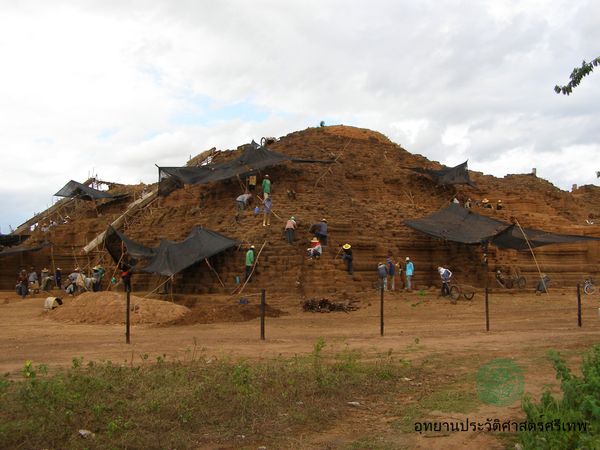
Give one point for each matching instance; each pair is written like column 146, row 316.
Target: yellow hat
column 314, row 240
column 485, row 200
column 346, row 246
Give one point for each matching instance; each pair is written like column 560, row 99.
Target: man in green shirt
column 249, row 261
column 266, row 186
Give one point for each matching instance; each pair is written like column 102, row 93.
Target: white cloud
column 119, row 86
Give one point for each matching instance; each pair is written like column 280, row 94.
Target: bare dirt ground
column 424, row 329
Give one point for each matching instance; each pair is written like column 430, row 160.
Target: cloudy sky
column 114, row 87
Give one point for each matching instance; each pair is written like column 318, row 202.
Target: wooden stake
column 214, row 271
column 578, row 305
column 381, row 313
column 127, row 332
column 262, row 314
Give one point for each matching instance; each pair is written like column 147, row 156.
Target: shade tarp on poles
column 22, row 249
column 169, row 257
column 458, row 224
column 513, row 238
column 449, row 175
column 116, row 243
column 11, row 239
column 173, row 257
column 253, row 157
column 73, row 189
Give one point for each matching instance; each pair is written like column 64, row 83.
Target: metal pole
column 578, row 305
column 262, row 314
column 381, row 313
column 127, row 333
column 487, row 311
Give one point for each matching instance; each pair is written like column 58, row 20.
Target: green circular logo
column 500, row 382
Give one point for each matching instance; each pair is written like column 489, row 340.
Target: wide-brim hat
column 485, row 200
column 77, row 269
column 58, row 268
column 45, row 269
column 314, row 240
column 346, row 246
column 96, row 268
column 407, row 258
column 252, row 246
column 324, row 220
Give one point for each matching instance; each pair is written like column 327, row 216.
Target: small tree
column 576, row 76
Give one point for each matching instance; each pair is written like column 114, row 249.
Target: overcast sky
column 114, row 87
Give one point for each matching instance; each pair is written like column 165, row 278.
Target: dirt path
column 422, row 329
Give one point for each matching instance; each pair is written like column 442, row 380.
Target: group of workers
column 387, row 273
column 485, row 203
column 246, row 199
column 31, row 283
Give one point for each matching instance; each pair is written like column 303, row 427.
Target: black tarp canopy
column 513, row 238
column 73, row 189
column 253, row 157
column 11, row 239
column 170, row 257
column 449, row 175
column 22, row 249
column 458, row 224
column 116, row 243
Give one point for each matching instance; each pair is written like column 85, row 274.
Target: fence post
column 578, row 305
column 262, row 314
column 381, row 313
column 487, row 311
column 127, row 333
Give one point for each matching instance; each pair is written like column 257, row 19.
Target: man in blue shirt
column 409, row 273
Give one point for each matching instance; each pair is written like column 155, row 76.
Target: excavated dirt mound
column 109, row 308
column 224, row 313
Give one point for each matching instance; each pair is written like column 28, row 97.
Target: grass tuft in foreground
column 181, row 405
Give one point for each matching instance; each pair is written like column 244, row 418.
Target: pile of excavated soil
column 110, row 308
column 212, row 313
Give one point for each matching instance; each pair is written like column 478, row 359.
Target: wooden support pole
column 381, row 313
column 578, row 305
column 127, row 318
column 214, row 271
column 262, row 314
column 487, row 311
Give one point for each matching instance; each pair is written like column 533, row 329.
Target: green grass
column 205, row 401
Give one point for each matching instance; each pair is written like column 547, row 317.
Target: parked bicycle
column 510, row 281
column 588, row 286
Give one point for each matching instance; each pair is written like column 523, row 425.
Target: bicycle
column 511, row 281
column 588, row 286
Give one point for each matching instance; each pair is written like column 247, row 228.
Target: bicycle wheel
column 455, row 293
column 589, row 288
column 521, row 282
column 508, row 283
column 469, row 296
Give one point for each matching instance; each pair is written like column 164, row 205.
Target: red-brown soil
column 422, row 328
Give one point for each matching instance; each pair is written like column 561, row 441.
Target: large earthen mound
column 110, row 308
